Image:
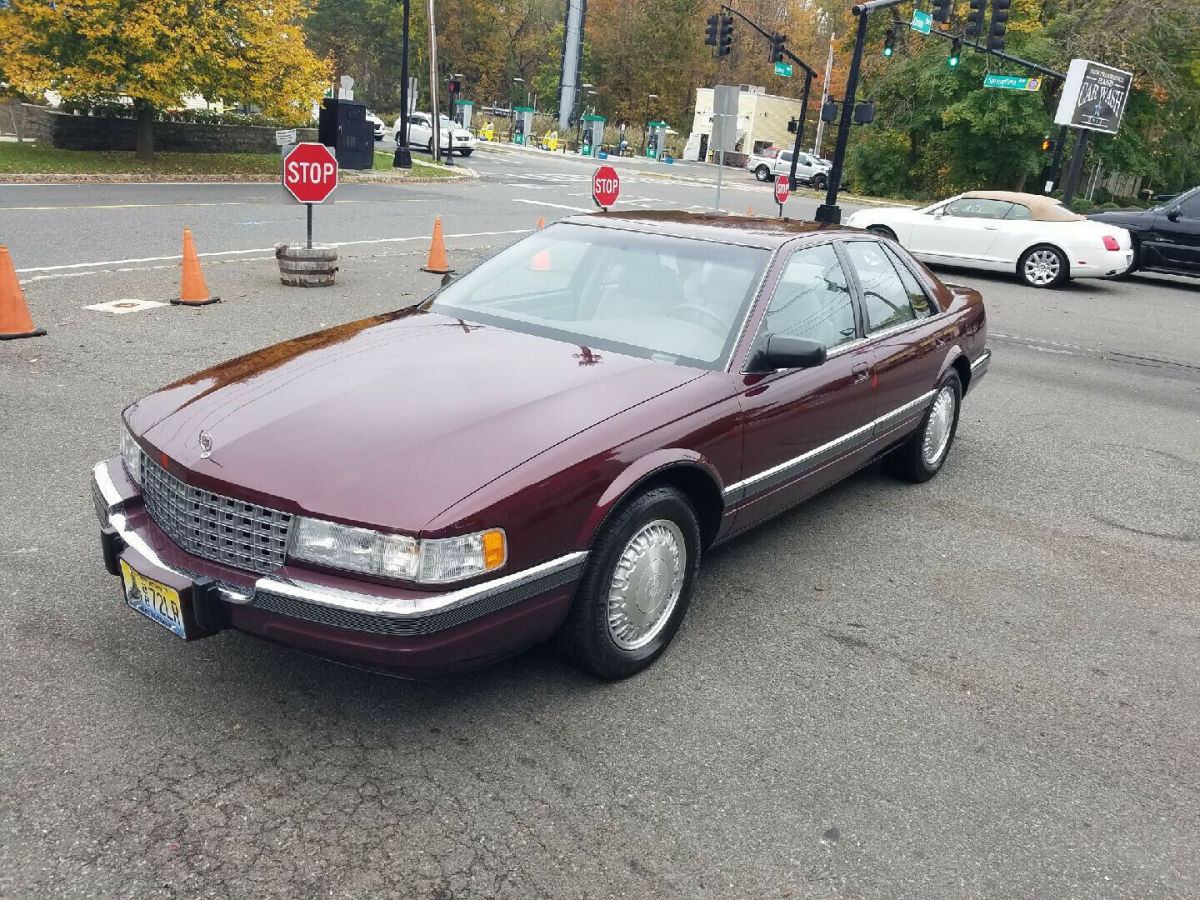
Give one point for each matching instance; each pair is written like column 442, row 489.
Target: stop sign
column 310, row 173
column 781, row 189
column 606, row 185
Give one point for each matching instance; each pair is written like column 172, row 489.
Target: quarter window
column 812, row 299
column 886, row 299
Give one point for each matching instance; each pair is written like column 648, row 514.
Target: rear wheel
column 819, row 182
column 1043, row 266
column 637, row 585
column 883, row 231
column 762, row 173
column 921, row 456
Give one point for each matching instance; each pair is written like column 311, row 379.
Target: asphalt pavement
column 985, row 686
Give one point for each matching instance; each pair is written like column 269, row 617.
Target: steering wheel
column 701, row 316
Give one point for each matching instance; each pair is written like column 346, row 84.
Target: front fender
column 638, row 473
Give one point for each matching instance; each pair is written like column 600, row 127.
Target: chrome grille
column 233, row 532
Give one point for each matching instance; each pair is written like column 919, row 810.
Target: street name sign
column 784, row 69
column 1012, row 82
column 310, row 173
column 606, row 186
column 1093, row 96
column 921, row 21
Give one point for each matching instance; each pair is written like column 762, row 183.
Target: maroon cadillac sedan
column 544, row 448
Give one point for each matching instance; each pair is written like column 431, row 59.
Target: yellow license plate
column 154, row 600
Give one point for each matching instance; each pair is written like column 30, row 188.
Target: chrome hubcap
column 937, row 429
column 646, row 584
column 1042, row 266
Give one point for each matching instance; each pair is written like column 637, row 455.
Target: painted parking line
column 581, row 209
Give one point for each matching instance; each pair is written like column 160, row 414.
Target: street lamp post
column 512, row 109
column 403, row 156
column 646, row 122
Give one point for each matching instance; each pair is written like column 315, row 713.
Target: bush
column 108, row 108
column 1082, row 205
column 878, row 164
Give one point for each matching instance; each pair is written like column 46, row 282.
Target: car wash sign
column 1093, row 96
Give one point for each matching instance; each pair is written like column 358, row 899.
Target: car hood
column 387, row 421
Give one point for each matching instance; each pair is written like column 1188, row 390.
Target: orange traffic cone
column 438, row 264
column 192, row 289
column 15, row 321
column 541, row 221
column 749, row 210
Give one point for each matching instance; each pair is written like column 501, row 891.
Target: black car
column 1166, row 238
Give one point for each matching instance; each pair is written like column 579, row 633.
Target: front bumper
column 397, row 630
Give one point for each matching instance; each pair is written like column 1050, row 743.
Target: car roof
column 745, row 231
column 1041, row 208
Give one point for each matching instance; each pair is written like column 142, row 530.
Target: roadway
column 984, row 686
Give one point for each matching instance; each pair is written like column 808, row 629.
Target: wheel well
column 963, row 368
column 698, row 487
column 882, row 230
column 1061, row 252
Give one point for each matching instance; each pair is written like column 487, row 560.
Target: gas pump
column 462, row 112
column 593, row 135
column 656, row 139
column 523, row 126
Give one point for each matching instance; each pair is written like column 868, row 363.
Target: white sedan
column 420, row 134
column 1037, row 237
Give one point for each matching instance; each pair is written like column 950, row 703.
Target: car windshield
column 674, row 299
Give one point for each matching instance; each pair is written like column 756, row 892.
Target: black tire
column 587, row 637
column 883, row 231
column 910, row 461
column 1133, row 266
column 762, row 173
column 819, row 182
column 467, row 152
column 429, row 148
column 1044, row 251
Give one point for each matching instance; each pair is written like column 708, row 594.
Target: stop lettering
column 310, row 173
column 606, row 185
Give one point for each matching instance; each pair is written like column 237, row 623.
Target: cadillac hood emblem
column 205, row 445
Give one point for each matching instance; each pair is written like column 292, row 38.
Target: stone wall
column 71, row 132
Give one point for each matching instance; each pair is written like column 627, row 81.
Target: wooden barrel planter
column 306, row 266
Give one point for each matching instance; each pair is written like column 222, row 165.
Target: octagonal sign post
column 606, row 186
column 310, row 173
column 781, row 191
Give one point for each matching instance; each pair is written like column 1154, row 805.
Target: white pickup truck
column 809, row 169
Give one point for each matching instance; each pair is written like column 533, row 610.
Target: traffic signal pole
column 829, row 213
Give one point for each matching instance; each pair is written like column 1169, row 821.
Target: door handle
column 991, row 227
column 861, row 372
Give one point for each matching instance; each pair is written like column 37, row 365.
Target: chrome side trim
column 400, row 608
column 984, row 358
column 108, row 491
column 815, row 457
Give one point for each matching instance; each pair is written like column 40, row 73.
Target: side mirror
column 939, row 212
column 785, row 351
column 1173, row 214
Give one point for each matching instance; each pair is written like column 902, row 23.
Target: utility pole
column 434, row 113
column 824, row 94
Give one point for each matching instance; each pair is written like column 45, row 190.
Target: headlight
column 396, row 555
column 132, row 454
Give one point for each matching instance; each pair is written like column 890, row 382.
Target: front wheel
column 819, row 182
column 637, row 585
column 921, row 456
column 467, row 152
column 762, row 173
column 429, row 147
column 1043, row 266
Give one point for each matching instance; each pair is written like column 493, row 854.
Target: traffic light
column 777, row 40
column 1049, row 144
column 793, row 124
column 955, row 53
column 725, row 38
column 941, row 11
column 995, row 39
column 975, row 18
column 710, row 32
column 829, row 110
column 889, row 42
column 453, row 86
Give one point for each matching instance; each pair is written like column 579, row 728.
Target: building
column 762, row 121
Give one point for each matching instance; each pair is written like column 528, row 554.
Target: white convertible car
column 1037, row 237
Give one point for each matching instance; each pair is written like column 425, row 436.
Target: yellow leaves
column 158, row 50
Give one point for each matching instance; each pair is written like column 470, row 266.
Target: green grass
column 37, row 159
column 383, row 163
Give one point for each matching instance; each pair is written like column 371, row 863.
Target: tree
column 155, row 51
